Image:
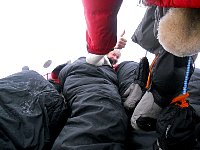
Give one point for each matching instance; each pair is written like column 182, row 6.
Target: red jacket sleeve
column 175, row 3
column 101, row 21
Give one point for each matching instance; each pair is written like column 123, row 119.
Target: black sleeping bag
column 98, row 120
column 32, row 113
column 126, row 74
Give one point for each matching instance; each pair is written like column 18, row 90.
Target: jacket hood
column 179, row 31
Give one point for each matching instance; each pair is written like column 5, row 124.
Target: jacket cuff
column 94, row 59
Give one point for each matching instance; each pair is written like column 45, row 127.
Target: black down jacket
column 168, row 72
column 32, row 113
column 98, row 120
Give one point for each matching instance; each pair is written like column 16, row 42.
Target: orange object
column 182, row 99
column 150, row 71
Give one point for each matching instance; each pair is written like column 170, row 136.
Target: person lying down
column 98, row 119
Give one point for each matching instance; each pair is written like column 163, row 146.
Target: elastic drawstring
column 150, row 71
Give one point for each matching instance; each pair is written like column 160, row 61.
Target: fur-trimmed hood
column 179, row 31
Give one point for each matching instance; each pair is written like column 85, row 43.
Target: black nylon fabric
column 169, row 71
column 130, row 72
column 126, row 74
column 168, row 76
column 136, row 139
column 98, row 120
column 194, row 90
column 194, row 98
column 142, row 73
column 32, row 112
column 176, row 128
column 183, row 121
column 192, row 128
column 147, row 31
column 144, row 35
column 142, row 140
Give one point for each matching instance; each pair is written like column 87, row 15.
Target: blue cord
column 187, row 75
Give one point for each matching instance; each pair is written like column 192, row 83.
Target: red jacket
column 175, row 3
column 101, row 21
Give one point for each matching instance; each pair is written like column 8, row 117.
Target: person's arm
column 99, row 60
column 101, row 22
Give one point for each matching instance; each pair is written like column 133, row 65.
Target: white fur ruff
column 178, row 34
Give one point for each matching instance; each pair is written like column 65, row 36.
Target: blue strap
column 187, row 75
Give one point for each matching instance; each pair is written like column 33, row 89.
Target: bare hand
column 121, row 42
